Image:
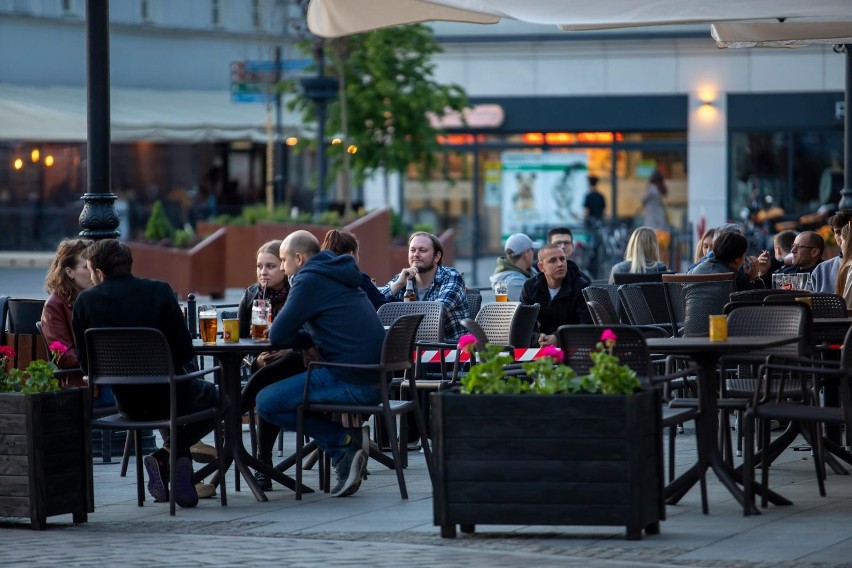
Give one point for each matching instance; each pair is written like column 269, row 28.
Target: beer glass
column 260, row 312
column 230, row 330
column 500, row 294
column 718, row 328
column 207, row 323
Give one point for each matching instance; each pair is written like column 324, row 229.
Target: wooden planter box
column 46, row 456
column 548, row 460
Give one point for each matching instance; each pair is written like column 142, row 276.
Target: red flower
column 467, row 343
column 7, row 351
column 553, row 352
column 58, row 347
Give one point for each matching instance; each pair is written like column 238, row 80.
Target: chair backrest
column 620, row 278
column 606, row 297
column 689, row 278
column 761, row 294
column 476, row 330
column 674, row 300
column 523, row 324
column 432, row 326
column 23, row 315
column 600, row 316
column 578, row 341
column 658, row 304
column 399, row 342
column 495, row 319
column 702, row 299
column 823, row 304
column 474, row 302
column 770, row 320
column 4, row 311
column 128, row 355
column 635, row 306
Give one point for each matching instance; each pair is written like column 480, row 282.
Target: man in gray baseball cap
column 514, row 268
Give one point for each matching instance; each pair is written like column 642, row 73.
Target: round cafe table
column 230, row 356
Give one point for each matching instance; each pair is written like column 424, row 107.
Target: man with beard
column 558, row 290
column 433, row 282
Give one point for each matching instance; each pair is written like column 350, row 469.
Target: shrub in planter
column 549, row 447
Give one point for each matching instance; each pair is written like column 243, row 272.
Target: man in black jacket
column 120, row 299
column 558, row 290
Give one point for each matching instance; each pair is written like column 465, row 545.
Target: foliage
column 387, row 78
column 397, row 227
column 547, row 374
column 827, row 234
column 254, row 214
column 159, row 227
column 425, row 227
column 38, row 377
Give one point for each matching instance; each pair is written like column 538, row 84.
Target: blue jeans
column 277, row 403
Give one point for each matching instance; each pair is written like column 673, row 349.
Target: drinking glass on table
column 500, row 293
column 207, row 324
column 260, row 312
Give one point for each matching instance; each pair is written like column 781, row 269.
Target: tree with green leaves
column 386, row 88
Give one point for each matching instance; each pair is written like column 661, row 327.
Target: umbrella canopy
column 777, row 18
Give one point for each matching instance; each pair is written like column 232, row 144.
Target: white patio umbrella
column 733, row 23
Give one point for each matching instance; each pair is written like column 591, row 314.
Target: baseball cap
column 519, row 243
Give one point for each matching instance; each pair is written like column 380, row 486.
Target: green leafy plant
column 38, row 377
column 547, row 374
column 158, row 227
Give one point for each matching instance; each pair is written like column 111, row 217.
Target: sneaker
column 184, row 488
column 203, row 453
column 350, row 470
column 263, row 481
column 158, row 473
column 205, row 490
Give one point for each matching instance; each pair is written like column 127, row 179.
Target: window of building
column 217, row 9
column 146, row 11
column 256, row 19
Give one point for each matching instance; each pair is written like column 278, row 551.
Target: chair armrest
column 364, row 367
column 196, row 374
column 62, row 373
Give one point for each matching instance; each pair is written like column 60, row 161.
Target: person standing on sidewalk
column 329, row 318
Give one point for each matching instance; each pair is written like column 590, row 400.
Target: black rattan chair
column 396, row 358
column 124, row 356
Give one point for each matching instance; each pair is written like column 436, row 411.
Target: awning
column 59, row 114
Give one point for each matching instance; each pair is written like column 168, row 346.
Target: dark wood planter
column 46, row 456
column 548, row 460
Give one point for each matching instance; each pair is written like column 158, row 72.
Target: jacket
column 326, row 307
column 513, row 276
column 567, row 307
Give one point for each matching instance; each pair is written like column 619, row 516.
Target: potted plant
column 548, row 447
column 44, row 443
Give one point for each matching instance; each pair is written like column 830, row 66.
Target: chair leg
column 764, row 463
column 125, row 458
column 394, row 441
column 748, row 464
column 252, row 421
column 106, row 446
column 140, row 477
column 424, row 439
column 172, row 468
column 819, row 457
column 672, row 434
column 300, row 441
column 223, row 465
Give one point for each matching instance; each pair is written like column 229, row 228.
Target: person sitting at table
column 704, row 245
column 330, row 318
column 824, row 276
column 642, row 254
column 844, row 277
column 729, row 255
column 273, row 286
column 344, row 242
column 807, row 253
column 66, row 278
column 558, row 290
column 120, row 299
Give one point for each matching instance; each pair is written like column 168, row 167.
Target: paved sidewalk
column 377, row 528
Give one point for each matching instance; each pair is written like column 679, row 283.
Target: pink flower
column 58, row 347
column 553, row 352
column 467, row 343
column 6, row 351
column 608, row 335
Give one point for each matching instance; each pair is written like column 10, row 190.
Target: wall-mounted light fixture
column 35, row 155
column 19, row 163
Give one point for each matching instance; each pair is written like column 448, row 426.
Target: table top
column 833, row 321
column 243, row 346
column 688, row 345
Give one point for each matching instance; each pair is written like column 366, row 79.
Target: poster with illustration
column 542, row 189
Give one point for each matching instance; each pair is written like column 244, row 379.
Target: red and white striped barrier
column 434, row 356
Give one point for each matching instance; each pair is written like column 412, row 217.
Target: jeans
column 277, row 403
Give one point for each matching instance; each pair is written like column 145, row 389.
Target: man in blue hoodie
column 329, row 317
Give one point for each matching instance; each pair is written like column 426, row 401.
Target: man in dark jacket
column 120, row 299
column 329, row 317
column 558, row 290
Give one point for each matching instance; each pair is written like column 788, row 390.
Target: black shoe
column 184, row 488
column 263, row 481
column 157, row 466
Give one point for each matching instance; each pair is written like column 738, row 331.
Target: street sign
column 251, row 80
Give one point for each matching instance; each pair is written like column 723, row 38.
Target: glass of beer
column 207, row 323
column 260, row 311
column 230, row 330
column 718, row 328
column 500, row 293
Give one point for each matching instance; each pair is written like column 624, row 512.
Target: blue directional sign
column 251, row 80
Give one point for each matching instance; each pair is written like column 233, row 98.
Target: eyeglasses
column 802, row 247
column 563, row 243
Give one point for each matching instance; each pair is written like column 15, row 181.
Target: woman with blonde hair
column 642, row 254
column 704, row 245
column 66, row 278
column 844, row 278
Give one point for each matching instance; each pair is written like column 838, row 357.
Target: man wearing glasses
column 807, row 253
column 564, row 239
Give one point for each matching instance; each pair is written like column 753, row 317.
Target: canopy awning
column 59, row 114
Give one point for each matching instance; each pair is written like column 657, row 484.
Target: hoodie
column 326, row 307
column 513, row 276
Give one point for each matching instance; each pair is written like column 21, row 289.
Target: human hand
column 545, row 339
column 310, row 354
column 763, row 263
column 268, row 357
column 750, row 269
